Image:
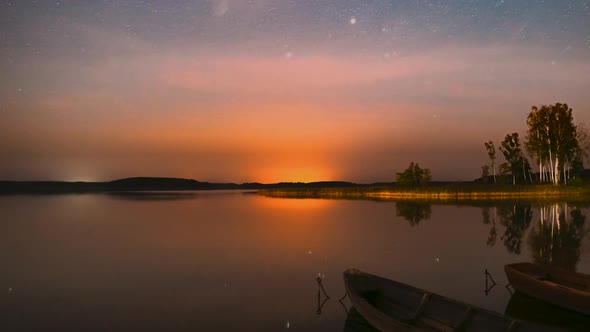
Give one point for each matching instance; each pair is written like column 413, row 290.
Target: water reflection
column 153, row 195
column 554, row 232
column 516, row 219
column 321, row 291
column 557, row 239
column 489, row 218
column 100, row 262
column 413, row 211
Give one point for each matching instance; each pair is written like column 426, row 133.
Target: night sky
column 278, row 90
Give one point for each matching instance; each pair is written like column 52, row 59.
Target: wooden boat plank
column 396, row 310
column 524, row 307
column 465, row 319
column 444, row 311
column 482, row 321
column 555, row 274
column 427, row 323
column 378, row 319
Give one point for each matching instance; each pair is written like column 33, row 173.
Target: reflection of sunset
column 306, row 205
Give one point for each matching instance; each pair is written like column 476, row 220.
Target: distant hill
column 149, row 184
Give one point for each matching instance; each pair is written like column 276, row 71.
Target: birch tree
column 553, row 140
column 492, row 155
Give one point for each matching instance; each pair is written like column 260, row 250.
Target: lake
column 236, row 261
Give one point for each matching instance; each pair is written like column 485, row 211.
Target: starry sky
column 278, row 90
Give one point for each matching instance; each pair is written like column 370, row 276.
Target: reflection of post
column 319, row 280
column 341, row 300
column 488, row 287
column 321, row 304
column 508, row 287
column 321, row 290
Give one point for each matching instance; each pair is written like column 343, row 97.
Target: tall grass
column 459, row 191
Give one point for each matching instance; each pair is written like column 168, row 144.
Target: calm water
column 229, row 261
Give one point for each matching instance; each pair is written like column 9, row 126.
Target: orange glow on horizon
column 294, row 174
column 309, row 205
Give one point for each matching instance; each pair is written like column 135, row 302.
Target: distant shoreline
column 436, row 191
column 150, row 184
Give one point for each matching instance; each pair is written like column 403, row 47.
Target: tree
column 492, row 155
column 485, row 173
column 552, row 139
column 413, row 176
column 513, row 154
column 583, row 151
column 505, row 169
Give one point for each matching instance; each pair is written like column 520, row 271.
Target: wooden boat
column 557, row 286
column 393, row 306
column 524, row 307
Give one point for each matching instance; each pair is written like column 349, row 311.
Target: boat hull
column 553, row 285
column 524, row 307
column 392, row 306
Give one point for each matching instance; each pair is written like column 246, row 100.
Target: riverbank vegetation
column 559, row 147
column 436, row 191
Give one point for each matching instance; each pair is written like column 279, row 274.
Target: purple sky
column 269, row 90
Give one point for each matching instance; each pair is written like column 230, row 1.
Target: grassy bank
column 461, row 191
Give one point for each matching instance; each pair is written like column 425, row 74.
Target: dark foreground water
column 229, row 261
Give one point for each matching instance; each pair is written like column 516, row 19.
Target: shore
column 463, row 191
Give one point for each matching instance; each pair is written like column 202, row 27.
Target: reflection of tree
column 558, row 237
column 517, row 220
column 487, row 220
column 413, row 211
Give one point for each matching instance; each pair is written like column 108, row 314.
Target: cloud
column 267, row 75
column 451, row 73
column 219, row 7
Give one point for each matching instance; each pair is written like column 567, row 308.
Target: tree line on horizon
column 558, row 146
